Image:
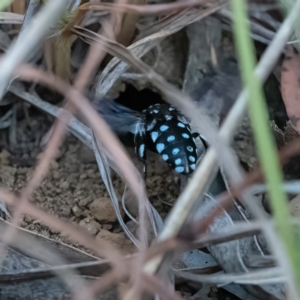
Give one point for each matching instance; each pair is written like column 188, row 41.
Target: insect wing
column 120, row 118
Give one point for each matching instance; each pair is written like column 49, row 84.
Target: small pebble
column 90, row 225
column 76, row 211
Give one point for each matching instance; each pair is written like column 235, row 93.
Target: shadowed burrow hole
column 138, row 100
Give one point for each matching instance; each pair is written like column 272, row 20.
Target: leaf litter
column 73, row 188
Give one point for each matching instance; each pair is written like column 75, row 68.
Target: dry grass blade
column 104, row 169
column 128, row 27
column 266, row 276
column 292, row 187
column 77, row 128
column 177, row 21
column 10, row 18
column 28, row 41
column 153, row 8
column 32, row 9
column 197, row 239
column 117, row 67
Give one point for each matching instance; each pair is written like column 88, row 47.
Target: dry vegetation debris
column 89, row 222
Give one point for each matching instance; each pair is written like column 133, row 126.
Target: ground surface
column 73, row 190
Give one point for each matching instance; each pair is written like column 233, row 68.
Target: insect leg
column 140, row 149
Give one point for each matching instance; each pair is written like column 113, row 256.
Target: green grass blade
column 4, row 4
column 265, row 142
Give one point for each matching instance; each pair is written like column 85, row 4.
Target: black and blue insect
column 160, row 128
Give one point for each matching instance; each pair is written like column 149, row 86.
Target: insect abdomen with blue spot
column 171, row 137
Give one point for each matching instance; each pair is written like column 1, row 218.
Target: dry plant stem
column 181, row 243
column 76, row 127
column 150, row 284
column 95, row 56
column 29, row 40
column 32, row 9
column 207, row 170
column 10, row 18
column 149, row 9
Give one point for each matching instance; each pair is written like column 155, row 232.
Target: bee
column 160, row 128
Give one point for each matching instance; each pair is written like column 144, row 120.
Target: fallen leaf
column 290, row 85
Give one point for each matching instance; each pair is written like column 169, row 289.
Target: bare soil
column 74, row 191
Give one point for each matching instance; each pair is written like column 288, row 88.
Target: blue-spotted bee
column 160, row 128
